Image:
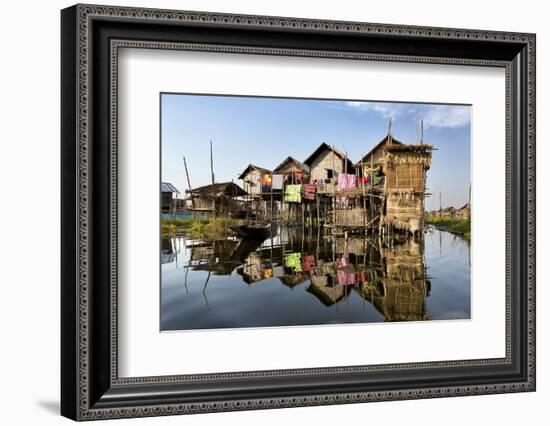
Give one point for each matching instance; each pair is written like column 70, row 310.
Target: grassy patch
column 456, row 226
column 211, row 228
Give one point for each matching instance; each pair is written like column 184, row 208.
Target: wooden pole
column 439, row 203
column 371, row 185
column 346, row 164
column 364, row 197
column 371, row 169
column 211, row 163
column 212, row 172
column 190, row 189
column 261, row 199
column 333, row 192
column 318, row 205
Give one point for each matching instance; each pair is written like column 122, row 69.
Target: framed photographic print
column 263, row 212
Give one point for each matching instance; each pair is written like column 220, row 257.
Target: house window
column 330, row 173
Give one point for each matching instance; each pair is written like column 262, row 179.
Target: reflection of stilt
column 363, row 294
column 440, row 252
column 174, row 243
column 204, row 290
column 185, row 280
column 187, row 266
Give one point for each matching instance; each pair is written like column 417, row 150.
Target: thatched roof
column 291, row 161
column 420, row 148
column 324, row 146
column 409, row 154
column 225, row 189
column 386, row 142
column 252, row 167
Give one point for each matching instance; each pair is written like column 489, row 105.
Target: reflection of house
column 293, row 280
column 214, row 256
column 169, row 195
column 326, row 289
column 402, row 302
column 356, row 246
column 327, row 162
column 167, row 253
column 400, row 292
column 221, row 197
column 252, row 268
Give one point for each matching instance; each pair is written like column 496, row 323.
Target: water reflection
column 299, row 277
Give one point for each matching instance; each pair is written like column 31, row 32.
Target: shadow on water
column 299, row 277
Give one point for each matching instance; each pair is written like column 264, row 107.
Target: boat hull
column 256, row 231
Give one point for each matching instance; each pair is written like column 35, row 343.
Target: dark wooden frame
column 90, row 386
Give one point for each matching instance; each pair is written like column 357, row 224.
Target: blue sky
column 264, row 131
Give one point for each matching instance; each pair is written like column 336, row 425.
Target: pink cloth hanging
column 346, row 181
column 345, row 278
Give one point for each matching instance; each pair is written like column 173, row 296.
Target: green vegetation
column 211, row 228
column 456, row 226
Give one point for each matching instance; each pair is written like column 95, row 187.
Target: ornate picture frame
column 90, row 39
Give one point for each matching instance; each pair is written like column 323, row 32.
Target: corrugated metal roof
column 168, row 187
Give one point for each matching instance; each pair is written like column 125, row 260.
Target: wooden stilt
column 190, row 189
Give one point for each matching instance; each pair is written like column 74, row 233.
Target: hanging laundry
column 362, row 277
column 345, row 278
column 308, row 263
column 266, row 182
column 277, row 181
column 293, row 194
column 308, row 191
column 364, row 180
column 346, row 181
column 298, row 176
column 319, row 184
column 292, row 261
column 343, row 261
column 266, row 179
column 267, row 272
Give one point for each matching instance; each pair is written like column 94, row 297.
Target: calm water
column 298, row 278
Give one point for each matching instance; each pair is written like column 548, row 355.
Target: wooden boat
column 256, row 230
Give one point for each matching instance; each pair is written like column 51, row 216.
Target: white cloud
column 449, row 116
column 446, row 116
column 385, row 110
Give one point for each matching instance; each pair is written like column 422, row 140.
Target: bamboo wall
column 404, row 211
column 352, row 217
column 405, row 263
column 405, row 176
column 203, row 203
column 403, row 302
column 356, row 246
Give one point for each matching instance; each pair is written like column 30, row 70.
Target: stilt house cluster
column 382, row 192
